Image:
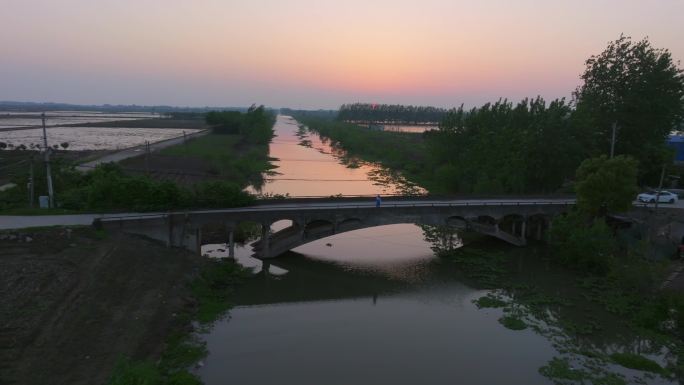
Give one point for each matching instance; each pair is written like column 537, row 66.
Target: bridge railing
column 345, row 206
column 386, row 205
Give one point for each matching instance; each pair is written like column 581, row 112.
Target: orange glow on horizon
column 243, row 51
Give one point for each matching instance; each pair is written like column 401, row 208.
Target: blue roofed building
column 677, row 143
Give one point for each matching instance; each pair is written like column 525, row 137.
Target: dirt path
column 71, row 304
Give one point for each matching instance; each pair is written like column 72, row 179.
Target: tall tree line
column 390, row 113
column 256, row 125
column 504, row 148
column 535, row 146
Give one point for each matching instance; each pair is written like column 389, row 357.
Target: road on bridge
column 17, row 222
column 24, row 221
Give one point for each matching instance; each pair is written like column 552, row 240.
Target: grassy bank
column 399, row 151
column 227, row 157
column 499, row 148
column 211, row 291
column 83, row 307
column 74, row 299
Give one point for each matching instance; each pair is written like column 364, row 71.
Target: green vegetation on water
column 635, row 361
column 572, row 308
column 214, row 288
column 489, row 301
column 513, row 323
column 559, row 368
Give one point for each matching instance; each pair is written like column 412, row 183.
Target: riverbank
column 399, row 151
column 210, row 157
column 575, row 310
column 615, row 329
column 74, row 300
column 206, row 171
column 77, row 305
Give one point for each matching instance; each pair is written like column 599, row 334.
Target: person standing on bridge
column 377, row 200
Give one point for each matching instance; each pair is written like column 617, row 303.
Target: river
column 374, row 306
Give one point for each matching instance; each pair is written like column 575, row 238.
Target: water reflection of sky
column 396, row 251
column 376, row 306
column 430, row 336
column 311, row 170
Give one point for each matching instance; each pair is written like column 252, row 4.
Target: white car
column 664, row 197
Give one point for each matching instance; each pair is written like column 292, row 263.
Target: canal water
column 373, row 306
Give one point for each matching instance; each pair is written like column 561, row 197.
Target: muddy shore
column 73, row 302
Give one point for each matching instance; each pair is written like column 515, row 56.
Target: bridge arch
column 514, row 224
column 184, row 228
column 318, row 226
column 349, row 224
column 457, row 221
column 486, row 220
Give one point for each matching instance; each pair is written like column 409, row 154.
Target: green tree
column 640, row 89
column 504, row 148
column 604, row 184
column 225, row 122
column 582, row 243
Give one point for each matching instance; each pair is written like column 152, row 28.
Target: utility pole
column 612, row 141
column 31, row 183
column 660, row 188
column 51, row 193
column 147, row 157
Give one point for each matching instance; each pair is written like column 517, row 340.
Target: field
column 211, row 157
column 73, row 300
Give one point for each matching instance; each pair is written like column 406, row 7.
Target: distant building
column 677, row 143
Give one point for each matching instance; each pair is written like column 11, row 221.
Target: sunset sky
column 313, row 53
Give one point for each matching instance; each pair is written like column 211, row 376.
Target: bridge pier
column 231, row 243
column 265, row 235
column 523, row 233
column 540, row 224
column 198, row 239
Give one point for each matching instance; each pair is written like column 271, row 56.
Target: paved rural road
column 20, row 222
column 135, row 151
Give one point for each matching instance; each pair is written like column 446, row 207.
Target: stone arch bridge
column 511, row 220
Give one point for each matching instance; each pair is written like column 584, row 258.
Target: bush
column 135, row 373
column 585, row 244
column 635, row 361
column 109, row 188
column 256, row 125
column 606, row 184
column 220, row 194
